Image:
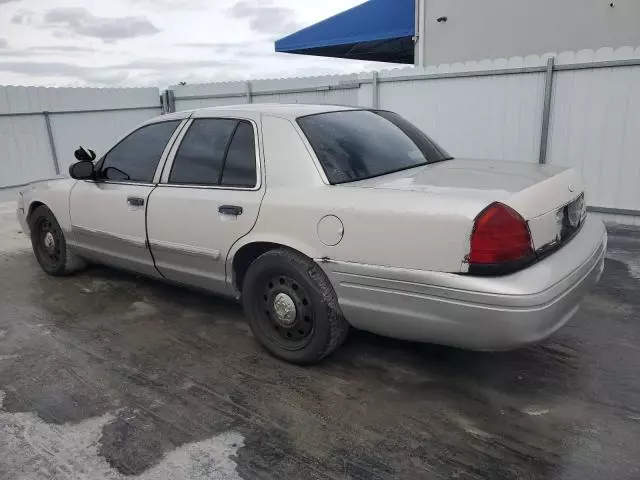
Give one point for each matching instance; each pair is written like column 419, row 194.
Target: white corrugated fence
column 579, row 109
column 495, row 109
column 95, row 117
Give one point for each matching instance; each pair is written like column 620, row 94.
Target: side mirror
column 83, row 170
column 84, row 154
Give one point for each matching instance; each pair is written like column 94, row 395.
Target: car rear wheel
column 50, row 246
column 292, row 308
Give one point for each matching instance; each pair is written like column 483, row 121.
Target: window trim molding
column 311, row 151
column 167, row 150
column 226, row 153
column 161, row 161
column 164, row 180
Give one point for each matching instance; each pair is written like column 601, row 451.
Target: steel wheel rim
column 48, row 246
column 291, row 328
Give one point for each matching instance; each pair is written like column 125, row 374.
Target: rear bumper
column 480, row 313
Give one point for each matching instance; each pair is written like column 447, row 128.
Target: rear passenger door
column 208, row 198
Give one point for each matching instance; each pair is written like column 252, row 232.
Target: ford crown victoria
column 322, row 218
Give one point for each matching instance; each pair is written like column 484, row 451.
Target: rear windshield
column 357, row 144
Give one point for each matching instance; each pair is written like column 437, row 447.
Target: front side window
column 136, row 158
column 216, row 152
column 353, row 145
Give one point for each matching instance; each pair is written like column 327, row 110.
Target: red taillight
column 500, row 235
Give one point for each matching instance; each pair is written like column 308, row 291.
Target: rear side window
column 357, row 144
column 240, row 164
column 136, row 158
column 202, row 151
column 216, row 152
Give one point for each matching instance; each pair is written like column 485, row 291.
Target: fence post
column 248, row 91
column 168, row 101
column 52, row 143
column 375, row 91
column 171, row 100
column 163, row 102
column 546, row 111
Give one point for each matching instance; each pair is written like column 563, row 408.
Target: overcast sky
column 158, row 42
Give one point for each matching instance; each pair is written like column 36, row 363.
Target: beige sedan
column 320, row 218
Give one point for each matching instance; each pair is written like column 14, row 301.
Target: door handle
column 230, row 210
column 135, row 201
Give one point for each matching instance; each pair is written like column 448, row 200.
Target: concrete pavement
column 110, row 375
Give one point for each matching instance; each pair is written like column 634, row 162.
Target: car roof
column 290, row 111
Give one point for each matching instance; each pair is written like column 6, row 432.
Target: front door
column 209, row 198
column 108, row 215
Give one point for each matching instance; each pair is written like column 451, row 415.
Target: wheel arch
column 54, row 195
column 32, row 206
column 245, row 252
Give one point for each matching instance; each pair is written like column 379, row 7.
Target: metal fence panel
column 495, row 109
column 190, row 104
column 24, row 150
column 491, row 109
column 95, row 130
column 188, row 97
column 477, row 117
column 95, row 117
column 326, row 97
column 336, row 90
column 595, row 128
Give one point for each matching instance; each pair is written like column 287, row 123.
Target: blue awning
column 377, row 30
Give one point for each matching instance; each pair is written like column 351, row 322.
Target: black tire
column 50, row 246
column 318, row 327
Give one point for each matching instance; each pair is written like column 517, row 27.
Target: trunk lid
column 539, row 193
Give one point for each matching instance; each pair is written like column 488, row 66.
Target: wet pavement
column 109, row 375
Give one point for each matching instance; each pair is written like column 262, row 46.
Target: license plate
column 575, row 212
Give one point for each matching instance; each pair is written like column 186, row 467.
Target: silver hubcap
column 49, row 241
column 285, row 309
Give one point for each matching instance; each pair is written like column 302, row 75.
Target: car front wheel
column 50, row 246
column 292, row 308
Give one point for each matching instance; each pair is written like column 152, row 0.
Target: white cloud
column 158, row 42
column 265, row 17
column 172, row 4
column 81, row 22
column 23, row 17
